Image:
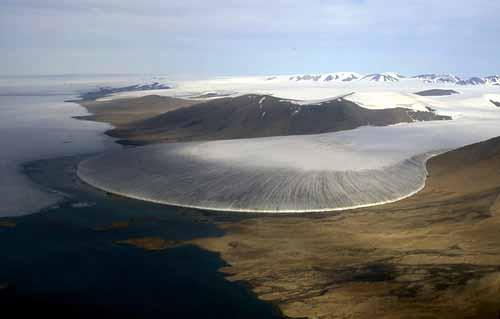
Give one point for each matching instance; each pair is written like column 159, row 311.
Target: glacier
column 288, row 174
column 307, row 173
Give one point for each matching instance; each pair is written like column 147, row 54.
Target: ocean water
column 36, row 123
column 36, row 127
column 57, row 265
column 54, row 263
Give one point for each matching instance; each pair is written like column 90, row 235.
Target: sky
column 197, row 38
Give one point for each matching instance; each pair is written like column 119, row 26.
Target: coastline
column 34, row 127
column 411, row 258
column 102, row 223
column 66, row 231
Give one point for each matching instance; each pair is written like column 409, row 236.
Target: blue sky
column 235, row 37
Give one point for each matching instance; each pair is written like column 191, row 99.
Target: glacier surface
column 290, row 174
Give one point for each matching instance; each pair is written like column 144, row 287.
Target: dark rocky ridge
column 436, row 92
column 107, row 91
column 253, row 115
column 496, row 103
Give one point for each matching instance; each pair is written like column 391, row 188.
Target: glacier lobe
column 288, row 174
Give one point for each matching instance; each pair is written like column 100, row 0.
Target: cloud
column 243, row 17
column 328, row 25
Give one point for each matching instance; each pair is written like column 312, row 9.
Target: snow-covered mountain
column 493, row 79
column 342, row 76
column 337, row 76
column 453, row 79
column 388, row 77
column 306, row 77
column 383, row 77
column 472, row 81
column 438, row 78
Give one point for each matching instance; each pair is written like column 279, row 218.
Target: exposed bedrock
column 436, row 92
column 253, row 115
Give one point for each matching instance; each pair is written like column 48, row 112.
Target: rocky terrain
column 436, row 92
column 433, row 255
column 495, row 103
column 170, row 119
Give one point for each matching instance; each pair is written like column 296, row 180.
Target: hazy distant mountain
column 306, row 77
column 383, row 77
column 432, row 78
column 337, row 76
column 106, row 91
column 438, row 78
column 472, row 81
column 342, row 76
column 452, row 79
column 493, row 79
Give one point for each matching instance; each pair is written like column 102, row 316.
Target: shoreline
column 415, row 257
column 82, row 198
column 29, row 137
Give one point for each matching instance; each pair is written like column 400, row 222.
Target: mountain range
column 395, row 77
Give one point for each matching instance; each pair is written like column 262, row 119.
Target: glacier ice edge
column 85, row 173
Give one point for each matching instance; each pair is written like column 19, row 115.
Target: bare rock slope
column 252, row 115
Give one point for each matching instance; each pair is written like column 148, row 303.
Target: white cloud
column 316, row 28
column 338, row 16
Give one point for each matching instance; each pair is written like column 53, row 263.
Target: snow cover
column 373, row 95
column 361, row 167
column 387, row 99
column 312, row 86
